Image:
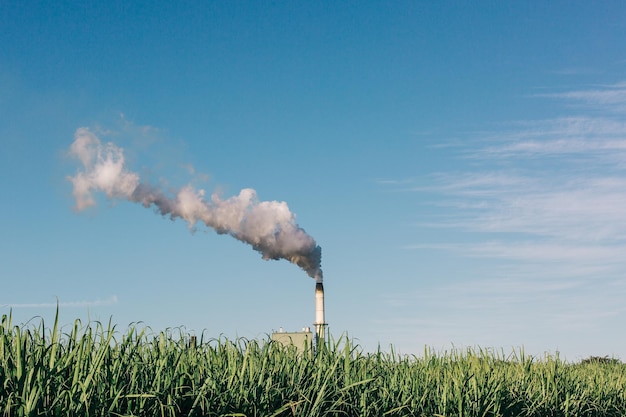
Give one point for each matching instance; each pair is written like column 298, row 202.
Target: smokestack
column 320, row 324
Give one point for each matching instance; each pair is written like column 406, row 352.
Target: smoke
column 268, row 226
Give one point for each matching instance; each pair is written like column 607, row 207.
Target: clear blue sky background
column 462, row 165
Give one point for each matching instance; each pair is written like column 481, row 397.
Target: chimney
column 320, row 324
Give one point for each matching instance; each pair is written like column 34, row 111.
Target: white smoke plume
column 268, row 226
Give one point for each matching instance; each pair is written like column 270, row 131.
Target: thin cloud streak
column 608, row 97
column 582, row 209
column 564, row 208
column 591, row 137
column 532, row 251
column 67, row 304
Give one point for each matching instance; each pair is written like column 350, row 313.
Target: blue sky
column 461, row 164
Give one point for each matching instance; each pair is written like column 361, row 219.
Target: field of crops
column 94, row 370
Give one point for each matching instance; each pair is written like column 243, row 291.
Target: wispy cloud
column 90, row 303
column 542, row 205
column 607, row 97
column 527, row 233
column 534, row 251
column 560, row 206
column 560, row 182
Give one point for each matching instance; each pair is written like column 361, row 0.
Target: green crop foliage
column 95, row 370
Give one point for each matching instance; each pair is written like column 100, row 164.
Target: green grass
column 95, row 370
